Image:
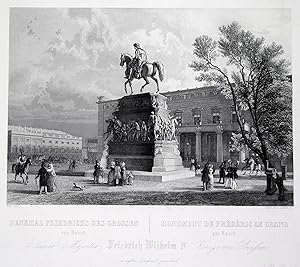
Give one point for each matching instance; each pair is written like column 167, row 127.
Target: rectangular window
column 179, row 120
column 197, row 116
column 216, row 117
column 178, row 116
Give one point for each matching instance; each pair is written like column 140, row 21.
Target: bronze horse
column 147, row 70
column 22, row 169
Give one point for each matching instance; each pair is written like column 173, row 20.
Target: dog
column 129, row 178
column 80, row 187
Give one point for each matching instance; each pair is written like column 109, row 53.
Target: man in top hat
column 21, row 159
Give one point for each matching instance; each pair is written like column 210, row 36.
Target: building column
column 242, row 156
column 198, row 146
column 219, row 144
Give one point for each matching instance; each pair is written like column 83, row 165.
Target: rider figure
column 140, row 57
column 21, row 159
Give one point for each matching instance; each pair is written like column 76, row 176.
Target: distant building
column 36, row 142
column 206, row 122
column 90, row 150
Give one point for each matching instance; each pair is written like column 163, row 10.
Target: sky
column 60, row 60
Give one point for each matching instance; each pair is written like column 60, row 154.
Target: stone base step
column 154, row 176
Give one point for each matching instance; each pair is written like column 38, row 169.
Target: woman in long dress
column 117, row 173
column 51, row 179
column 211, row 177
column 111, row 174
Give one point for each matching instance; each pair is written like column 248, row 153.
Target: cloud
column 60, row 76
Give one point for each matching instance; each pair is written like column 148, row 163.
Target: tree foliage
column 255, row 77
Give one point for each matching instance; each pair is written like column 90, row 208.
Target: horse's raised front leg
column 147, row 82
column 156, row 81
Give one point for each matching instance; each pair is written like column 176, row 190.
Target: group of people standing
column 117, row 176
column 227, row 171
column 46, row 175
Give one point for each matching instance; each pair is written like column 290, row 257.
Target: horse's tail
column 160, row 68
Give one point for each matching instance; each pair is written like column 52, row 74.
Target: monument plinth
column 142, row 134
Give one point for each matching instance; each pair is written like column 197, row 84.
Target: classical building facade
column 206, row 121
column 36, row 141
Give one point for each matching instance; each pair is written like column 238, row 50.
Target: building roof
column 172, row 92
column 189, row 90
column 40, row 131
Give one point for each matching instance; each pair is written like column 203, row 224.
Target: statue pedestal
column 166, row 156
column 148, row 149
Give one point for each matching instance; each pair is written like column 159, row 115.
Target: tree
column 256, row 79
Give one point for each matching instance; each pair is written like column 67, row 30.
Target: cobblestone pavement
column 250, row 192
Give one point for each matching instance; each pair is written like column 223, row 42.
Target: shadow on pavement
column 27, row 192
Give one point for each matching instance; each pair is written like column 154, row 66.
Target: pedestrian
column 192, row 166
column 123, row 174
column 205, row 178
column 198, row 168
column 222, row 172
column 51, row 179
column 97, row 172
column 235, row 175
column 229, row 181
column 43, row 175
column 117, row 177
column 211, row 171
column 111, row 174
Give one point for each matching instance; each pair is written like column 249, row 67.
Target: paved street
column 178, row 192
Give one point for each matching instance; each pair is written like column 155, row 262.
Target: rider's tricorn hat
column 137, row 45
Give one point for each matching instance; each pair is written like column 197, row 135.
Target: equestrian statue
column 138, row 67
